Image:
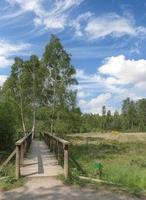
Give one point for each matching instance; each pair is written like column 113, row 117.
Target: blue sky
column 105, row 37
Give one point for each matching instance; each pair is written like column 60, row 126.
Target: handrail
column 22, row 147
column 8, row 159
column 64, row 142
column 19, row 142
column 59, row 146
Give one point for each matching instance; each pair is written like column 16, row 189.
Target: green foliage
column 132, row 118
column 123, row 163
column 39, row 91
column 141, row 114
column 7, row 178
column 7, row 125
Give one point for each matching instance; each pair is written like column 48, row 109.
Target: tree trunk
column 34, row 109
column 21, row 108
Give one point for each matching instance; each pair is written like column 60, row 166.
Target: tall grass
column 124, row 164
column 7, row 178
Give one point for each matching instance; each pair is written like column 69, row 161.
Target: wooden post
column 58, row 151
column 25, row 146
column 51, row 143
column 17, row 162
column 22, row 153
column 66, row 161
column 49, row 139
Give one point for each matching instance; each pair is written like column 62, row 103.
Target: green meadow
column 123, row 158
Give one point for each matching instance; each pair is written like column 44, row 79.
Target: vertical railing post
column 25, row 146
column 17, row 162
column 66, row 161
column 53, row 145
column 58, row 151
column 22, row 146
column 60, row 148
column 50, row 144
column 49, row 141
column 22, row 153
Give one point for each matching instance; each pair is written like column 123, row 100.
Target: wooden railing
column 8, row 159
column 59, row 147
column 22, row 147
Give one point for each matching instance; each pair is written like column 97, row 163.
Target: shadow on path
column 52, row 189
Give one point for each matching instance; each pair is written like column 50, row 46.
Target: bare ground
column 47, row 188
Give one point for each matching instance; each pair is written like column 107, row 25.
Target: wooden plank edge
column 8, row 159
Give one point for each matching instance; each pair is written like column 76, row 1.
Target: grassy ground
column 7, row 178
column 123, row 157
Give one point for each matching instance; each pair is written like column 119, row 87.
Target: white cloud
column 81, row 94
column 86, row 78
column 54, row 22
column 118, row 76
column 56, row 14
column 78, row 23
column 3, row 79
column 110, row 24
column 124, row 71
column 8, row 49
column 94, row 105
column 4, row 61
column 33, row 5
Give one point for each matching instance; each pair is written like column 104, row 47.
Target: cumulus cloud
column 8, row 50
column 124, row 71
column 115, row 80
column 94, row 105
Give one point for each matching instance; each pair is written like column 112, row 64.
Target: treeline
column 132, row 117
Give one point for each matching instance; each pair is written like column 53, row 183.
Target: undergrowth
column 7, row 178
column 124, row 164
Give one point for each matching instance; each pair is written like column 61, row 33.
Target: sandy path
column 44, row 188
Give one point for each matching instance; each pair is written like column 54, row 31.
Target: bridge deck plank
column 39, row 161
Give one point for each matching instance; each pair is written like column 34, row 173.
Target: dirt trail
column 44, row 188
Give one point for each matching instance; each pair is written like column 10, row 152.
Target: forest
column 37, row 96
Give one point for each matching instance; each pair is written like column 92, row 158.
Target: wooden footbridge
column 45, row 157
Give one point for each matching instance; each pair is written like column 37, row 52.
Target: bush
column 7, row 125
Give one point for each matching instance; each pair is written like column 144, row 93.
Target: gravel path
column 43, row 188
